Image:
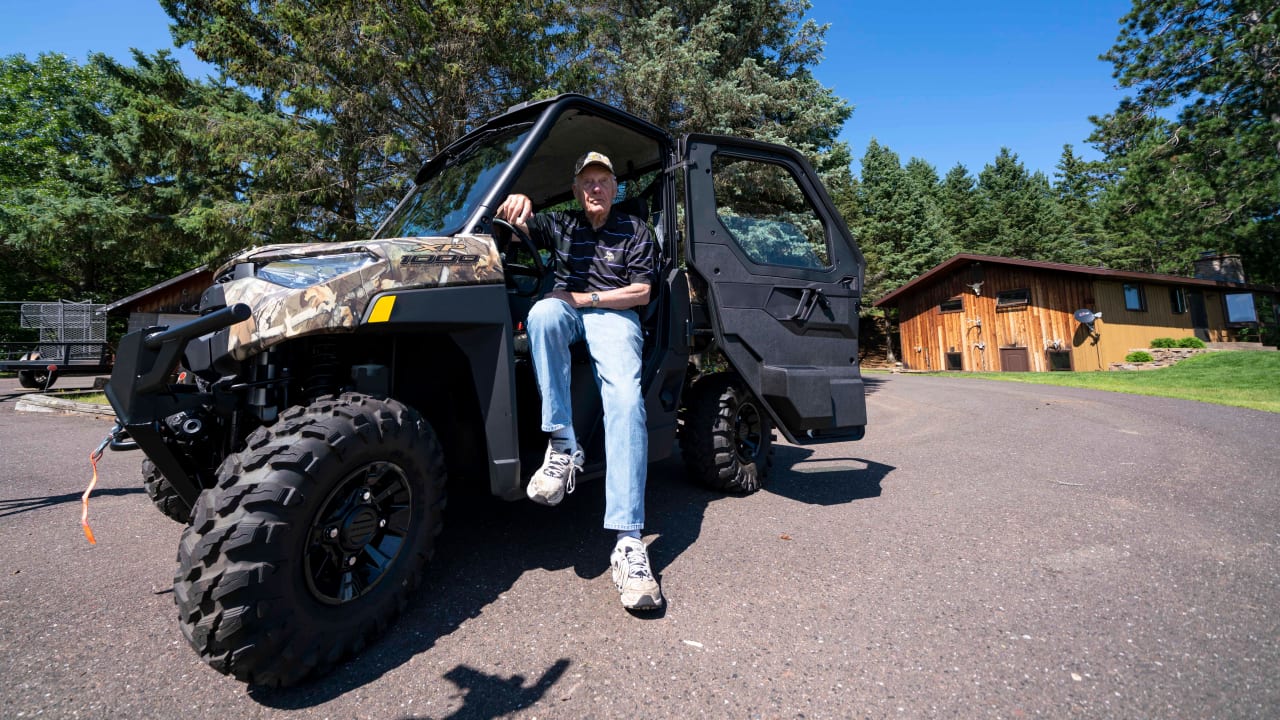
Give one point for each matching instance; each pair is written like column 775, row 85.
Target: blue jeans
column 614, row 341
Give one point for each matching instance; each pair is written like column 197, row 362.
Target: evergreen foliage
column 1194, row 155
column 114, row 176
column 901, row 224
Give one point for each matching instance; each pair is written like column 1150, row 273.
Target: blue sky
column 944, row 81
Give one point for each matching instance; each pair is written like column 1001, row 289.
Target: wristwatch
column 595, row 299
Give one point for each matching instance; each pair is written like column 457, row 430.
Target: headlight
column 307, row 271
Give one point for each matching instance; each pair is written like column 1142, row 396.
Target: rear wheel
column 726, row 437
column 312, row 540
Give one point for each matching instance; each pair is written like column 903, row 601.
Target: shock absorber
column 322, row 375
column 263, row 396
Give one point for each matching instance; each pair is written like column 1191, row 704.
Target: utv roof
column 565, row 127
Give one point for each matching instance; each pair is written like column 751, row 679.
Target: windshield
column 442, row 203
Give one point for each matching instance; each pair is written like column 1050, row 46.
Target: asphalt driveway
column 989, row 550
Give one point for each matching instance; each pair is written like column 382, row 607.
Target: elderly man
column 604, row 270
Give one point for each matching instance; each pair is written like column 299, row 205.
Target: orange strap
column 84, row 499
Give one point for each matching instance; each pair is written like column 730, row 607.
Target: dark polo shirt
column 620, row 253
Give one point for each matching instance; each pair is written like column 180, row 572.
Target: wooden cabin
column 171, row 302
column 983, row 313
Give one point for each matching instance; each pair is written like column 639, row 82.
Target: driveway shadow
column 829, row 481
column 16, row 506
column 488, row 544
column 872, row 383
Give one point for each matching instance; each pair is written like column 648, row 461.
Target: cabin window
column 1059, row 360
column 1134, row 297
column 1240, row 308
column 955, row 362
column 951, row 305
column 1010, row 299
column 1178, row 300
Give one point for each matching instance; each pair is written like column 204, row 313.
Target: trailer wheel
column 312, row 540
column 36, row 379
column 162, row 494
column 726, row 437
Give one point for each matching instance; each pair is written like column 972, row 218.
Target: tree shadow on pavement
column 17, row 506
column 873, row 383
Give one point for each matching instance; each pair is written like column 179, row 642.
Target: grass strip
column 1247, row 379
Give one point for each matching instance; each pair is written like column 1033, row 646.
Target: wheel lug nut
column 367, row 496
column 333, row 532
column 351, row 560
column 382, row 523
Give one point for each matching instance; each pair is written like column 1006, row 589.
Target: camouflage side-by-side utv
column 303, row 427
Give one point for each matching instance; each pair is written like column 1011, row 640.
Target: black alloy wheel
column 312, row 540
column 726, row 438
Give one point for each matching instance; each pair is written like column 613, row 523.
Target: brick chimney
column 1212, row 265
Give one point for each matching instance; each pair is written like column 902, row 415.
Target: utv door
column 784, row 278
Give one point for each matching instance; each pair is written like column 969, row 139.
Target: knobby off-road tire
column 161, row 492
column 726, row 437
column 312, row 540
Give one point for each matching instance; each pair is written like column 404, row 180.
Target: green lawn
column 94, row 398
column 1244, row 379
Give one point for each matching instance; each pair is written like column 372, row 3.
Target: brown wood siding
column 928, row 334
column 181, row 296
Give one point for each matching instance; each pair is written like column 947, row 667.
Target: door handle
column 808, row 298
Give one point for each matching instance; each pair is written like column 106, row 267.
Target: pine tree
column 958, row 200
column 373, row 88
column 1017, row 215
column 1076, row 192
column 900, row 228
column 736, row 67
column 1205, row 180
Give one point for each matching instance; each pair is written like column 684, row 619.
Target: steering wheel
column 535, row 268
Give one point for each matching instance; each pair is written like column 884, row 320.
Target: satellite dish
column 1086, row 317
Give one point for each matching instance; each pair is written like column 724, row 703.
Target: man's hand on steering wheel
column 516, row 210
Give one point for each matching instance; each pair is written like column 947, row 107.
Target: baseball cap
column 592, row 158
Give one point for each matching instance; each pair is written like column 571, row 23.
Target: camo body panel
column 282, row 313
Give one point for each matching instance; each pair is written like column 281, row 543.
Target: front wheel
column 163, row 494
column 312, row 540
column 726, row 437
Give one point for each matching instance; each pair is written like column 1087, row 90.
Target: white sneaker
column 632, row 576
column 554, row 479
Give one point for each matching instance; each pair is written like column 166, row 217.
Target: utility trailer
column 70, row 339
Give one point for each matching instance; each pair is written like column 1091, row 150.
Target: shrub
column 1138, row 356
column 1163, row 343
column 1190, row 342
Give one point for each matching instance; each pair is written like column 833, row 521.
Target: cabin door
column 1014, row 359
column 1199, row 317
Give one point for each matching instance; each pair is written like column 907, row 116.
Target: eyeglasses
column 587, row 184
